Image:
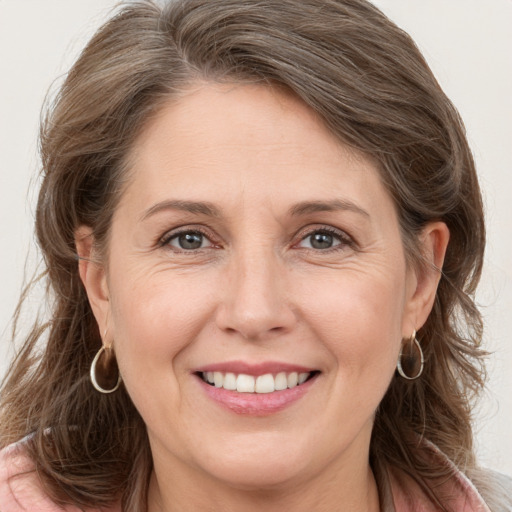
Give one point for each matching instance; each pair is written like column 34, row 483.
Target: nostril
column 253, row 312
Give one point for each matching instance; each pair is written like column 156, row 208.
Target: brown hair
column 369, row 83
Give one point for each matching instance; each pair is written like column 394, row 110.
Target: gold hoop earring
column 410, row 360
column 107, row 367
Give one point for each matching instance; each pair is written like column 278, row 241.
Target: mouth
column 256, row 390
column 261, row 384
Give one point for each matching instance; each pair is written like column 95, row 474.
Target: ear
column 93, row 276
column 423, row 281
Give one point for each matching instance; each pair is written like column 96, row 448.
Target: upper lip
column 254, row 369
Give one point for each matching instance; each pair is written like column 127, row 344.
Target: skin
column 257, row 290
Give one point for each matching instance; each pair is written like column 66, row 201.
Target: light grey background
column 468, row 43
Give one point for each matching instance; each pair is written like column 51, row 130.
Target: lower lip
column 256, row 404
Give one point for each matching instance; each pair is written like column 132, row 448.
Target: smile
column 267, row 383
column 256, row 390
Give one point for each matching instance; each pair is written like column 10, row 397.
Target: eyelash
column 168, row 237
column 343, row 238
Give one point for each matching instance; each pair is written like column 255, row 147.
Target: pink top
column 399, row 493
column 20, row 488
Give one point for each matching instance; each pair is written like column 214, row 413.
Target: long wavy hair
column 373, row 89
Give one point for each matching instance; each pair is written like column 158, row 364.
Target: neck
column 349, row 488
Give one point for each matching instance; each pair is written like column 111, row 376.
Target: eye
column 188, row 241
column 323, row 239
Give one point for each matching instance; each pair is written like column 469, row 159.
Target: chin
column 265, row 464
column 258, row 476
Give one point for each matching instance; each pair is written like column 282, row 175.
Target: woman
column 262, row 228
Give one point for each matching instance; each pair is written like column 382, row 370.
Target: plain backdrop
column 468, row 44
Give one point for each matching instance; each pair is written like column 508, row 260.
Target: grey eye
column 320, row 240
column 189, row 241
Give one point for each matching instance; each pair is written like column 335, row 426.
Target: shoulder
column 478, row 491
column 495, row 488
column 484, row 489
column 21, row 489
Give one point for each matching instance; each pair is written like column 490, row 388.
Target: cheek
column 154, row 320
column 358, row 316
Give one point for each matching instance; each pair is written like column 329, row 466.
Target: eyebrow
column 210, row 210
column 308, row 207
column 196, row 207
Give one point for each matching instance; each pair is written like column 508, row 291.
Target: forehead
column 248, row 115
column 221, row 142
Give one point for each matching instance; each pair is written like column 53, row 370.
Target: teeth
column 267, row 383
column 292, row 379
column 303, row 377
column 281, row 382
column 245, row 383
column 218, row 379
column 230, row 381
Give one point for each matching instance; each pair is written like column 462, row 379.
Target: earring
column 409, row 360
column 107, row 367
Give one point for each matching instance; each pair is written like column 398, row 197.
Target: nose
column 255, row 302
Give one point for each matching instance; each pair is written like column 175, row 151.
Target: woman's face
column 252, row 249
